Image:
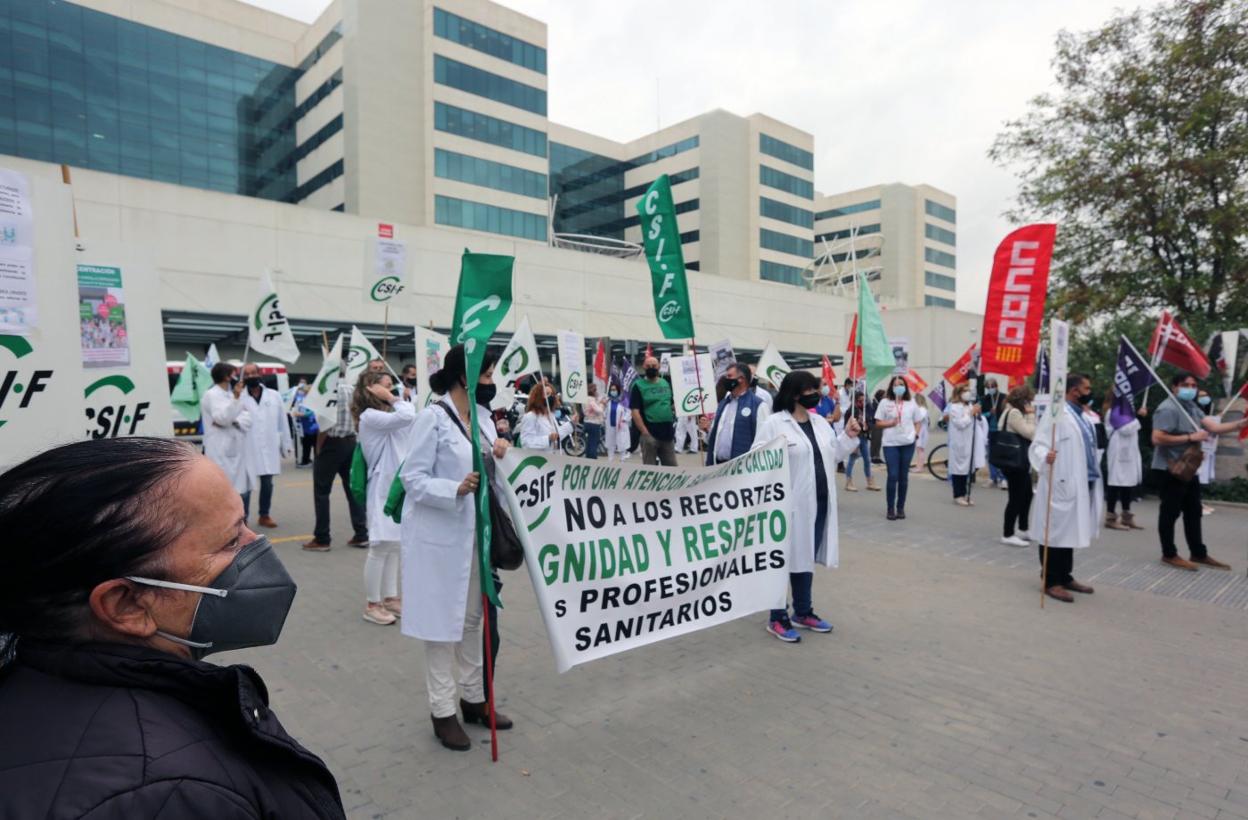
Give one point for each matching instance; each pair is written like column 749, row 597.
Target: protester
column 737, row 418
column 441, row 582
column 385, row 422
column 268, row 440
column 828, row 407
column 378, row 366
column 813, row 450
column 409, row 381
column 592, row 412
column 539, row 429
column 897, row 416
column 992, row 405
column 308, row 427
column 335, row 447
column 1071, row 512
column 876, row 432
column 651, row 403
column 617, row 422
column 759, row 386
column 686, row 436
column 964, row 456
column 226, row 422
column 1177, row 423
column 1019, row 418
column 1209, row 451
column 866, row 421
column 116, row 554
column 1124, row 472
column 925, row 423
column 503, row 426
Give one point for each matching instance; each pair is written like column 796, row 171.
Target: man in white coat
column 226, row 422
column 268, row 440
column 1071, row 465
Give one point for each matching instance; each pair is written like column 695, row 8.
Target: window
column 786, row 243
column 940, row 211
column 316, row 183
column 322, row 48
column 785, row 182
column 936, row 301
column 863, row 230
column 689, row 236
column 475, row 216
column 494, row 131
column 695, row 265
column 846, row 210
column 483, row 172
column 491, row 86
column 940, row 258
column 663, row 153
column 488, row 41
column 940, row 280
column 786, row 213
column 940, row 234
column 789, row 153
column 775, row 272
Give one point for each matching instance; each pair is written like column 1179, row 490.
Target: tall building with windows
column 904, row 238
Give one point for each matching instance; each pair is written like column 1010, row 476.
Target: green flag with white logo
column 482, row 302
column 193, row 383
column 877, row 353
column 667, row 261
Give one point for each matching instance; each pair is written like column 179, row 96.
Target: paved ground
column 944, row 692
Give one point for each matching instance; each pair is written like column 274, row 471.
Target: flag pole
column 1157, row 378
column 489, row 675
column 385, row 331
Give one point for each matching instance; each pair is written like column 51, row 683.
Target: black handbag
column 506, row 551
column 1009, row 450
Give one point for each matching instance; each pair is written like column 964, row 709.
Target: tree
column 1141, row 157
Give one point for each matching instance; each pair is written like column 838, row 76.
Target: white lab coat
column 226, row 422
column 960, row 421
column 834, row 448
column 385, row 437
column 1076, row 514
column 535, row 431
column 268, row 440
column 925, row 422
column 1208, row 447
column 1126, row 469
column 439, row 528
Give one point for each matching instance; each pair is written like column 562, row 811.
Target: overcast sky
column 897, row 91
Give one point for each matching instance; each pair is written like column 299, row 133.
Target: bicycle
column 938, row 462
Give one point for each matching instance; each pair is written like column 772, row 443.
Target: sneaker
column 961, row 501
column 315, row 546
column 850, row 488
column 1023, row 534
column 812, row 622
column 377, row 614
column 394, row 606
column 1014, row 541
column 784, row 632
column 1005, row 485
column 1205, row 509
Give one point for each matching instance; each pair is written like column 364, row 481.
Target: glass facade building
column 492, row 86
column 488, row 41
column 786, row 182
column 475, row 216
column 488, row 174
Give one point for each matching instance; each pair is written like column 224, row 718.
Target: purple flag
column 1131, row 377
column 1041, row 380
column 937, row 395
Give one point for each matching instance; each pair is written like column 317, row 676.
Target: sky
column 897, row 91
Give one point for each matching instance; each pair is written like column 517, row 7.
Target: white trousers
column 617, row 441
column 381, row 571
column 446, row 661
column 687, row 428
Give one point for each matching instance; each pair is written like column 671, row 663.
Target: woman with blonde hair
column 925, row 422
column 539, row 429
column 385, row 430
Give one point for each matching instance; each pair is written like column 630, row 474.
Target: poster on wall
column 900, row 346
column 18, row 303
column 102, row 317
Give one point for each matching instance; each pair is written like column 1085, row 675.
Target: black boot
column 451, row 734
column 480, row 713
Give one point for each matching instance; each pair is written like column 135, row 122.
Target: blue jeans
column 898, row 459
column 863, row 452
column 593, row 436
column 802, row 605
column 266, row 497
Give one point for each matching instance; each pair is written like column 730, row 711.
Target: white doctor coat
column 268, row 440
column 385, row 437
column 535, row 430
column 439, row 526
column 961, row 425
column 834, row 448
column 1126, row 469
column 1076, row 515
column 226, row 422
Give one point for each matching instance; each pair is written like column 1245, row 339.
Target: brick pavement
column 943, row 692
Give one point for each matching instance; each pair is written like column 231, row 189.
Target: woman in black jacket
column 122, row 563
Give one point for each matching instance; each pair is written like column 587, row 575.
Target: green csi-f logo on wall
column 113, row 420
column 695, row 400
column 534, row 486
column 16, row 383
column 385, row 289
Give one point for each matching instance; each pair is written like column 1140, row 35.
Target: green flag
column 482, row 302
column 667, row 260
column 877, row 355
column 193, row 383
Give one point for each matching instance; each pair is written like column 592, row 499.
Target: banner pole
column 489, row 677
column 1162, row 384
column 385, row 331
column 1048, row 509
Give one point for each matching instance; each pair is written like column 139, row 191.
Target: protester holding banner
column 1125, row 471
column 441, row 583
column 539, row 429
column 268, row 440
column 616, row 422
column 925, row 423
column 897, row 416
column 655, row 415
column 592, row 412
column 964, row 457
column 226, row 422
column 1019, row 418
column 865, row 422
column 385, row 423
column 736, row 423
column 814, row 449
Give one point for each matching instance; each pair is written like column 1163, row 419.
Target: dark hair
column 1182, row 376
column 792, row 386
column 454, row 368
column 891, row 382
column 1077, row 380
column 76, row 516
column 407, row 367
column 222, row 371
column 742, row 370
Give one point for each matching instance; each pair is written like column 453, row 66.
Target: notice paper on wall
column 18, row 303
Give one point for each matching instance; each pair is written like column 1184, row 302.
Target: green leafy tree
column 1141, row 157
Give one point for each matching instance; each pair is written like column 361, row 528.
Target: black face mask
column 1085, row 399
column 809, row 400
column 732, row 384
column 412, row 382
column 486, row 394
column 652, row 372
column 252, row 382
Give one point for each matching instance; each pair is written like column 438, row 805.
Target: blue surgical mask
column 1187, row 393
column 899, row 390
column 1204, row 401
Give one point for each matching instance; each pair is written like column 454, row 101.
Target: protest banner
column 385, row 271
column 518, row 359
column 626, row 555
column 666, row 259
column 722, row 355
column 431, row 348
column 268, row 330
column 877, row 354
column 1016, row 297
column 572, row 366
column 691, row 390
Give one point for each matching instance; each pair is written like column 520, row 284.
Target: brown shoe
column 1212, row 563
column 1060, row 594
column 315, row 546
column 451, row 734
column 1111, row 522
column 1129, row 520
column 266, row 521
column 1075, row 586
column 1179, row 563
column 871, row 485
column 480, row 713
column 357, row 541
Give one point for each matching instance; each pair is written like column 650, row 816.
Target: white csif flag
column 518, row 359
column 322, row 397
column 771, row 366
column 359, row 354
column 268, row 330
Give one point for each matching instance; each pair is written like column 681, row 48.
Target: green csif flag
column 877, row 354
column 193, row 383
column 666, row 259
column 482, row 302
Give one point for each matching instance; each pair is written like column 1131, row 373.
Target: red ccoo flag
column 1174, row 345
column 1016, row 295
column 957, row 373
column 856, row 369
column 915, row 382
column 600, row 362
column 829, row 375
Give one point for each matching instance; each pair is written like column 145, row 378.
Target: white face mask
column 966, row 396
